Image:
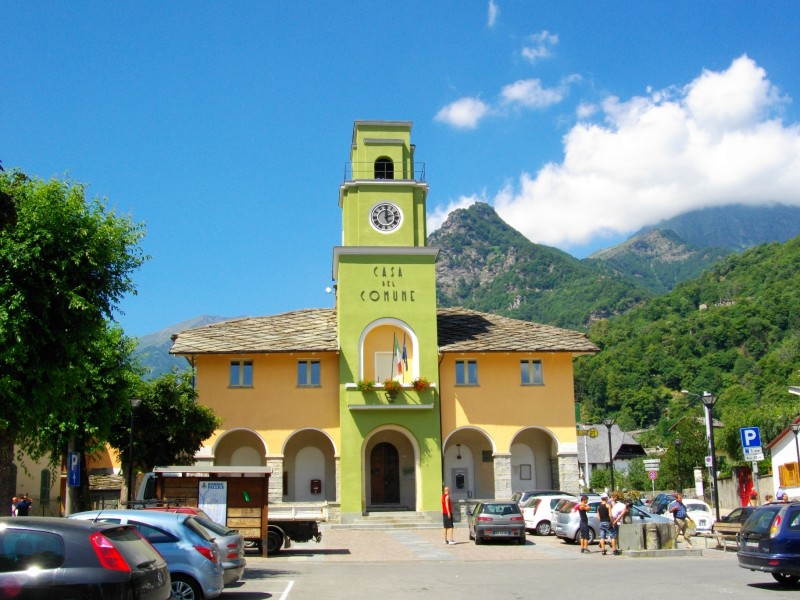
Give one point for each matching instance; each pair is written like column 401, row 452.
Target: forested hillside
column 734, row 331
column 487, row 265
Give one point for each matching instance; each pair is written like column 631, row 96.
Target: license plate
column 751, row 544
column 702, row 522
column 500, row 532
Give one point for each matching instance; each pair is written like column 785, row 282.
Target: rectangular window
column 241, row 373
column 531, row 372
column 466, row 372
column 308, row 373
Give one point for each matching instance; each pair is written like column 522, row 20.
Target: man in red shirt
column 447, row 516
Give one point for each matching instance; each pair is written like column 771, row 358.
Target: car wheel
column 543, row 528
column 785, row 579
column 478, row 539
column 592, row 535
column 184, row 588
column 522, row 540
column 274, row 542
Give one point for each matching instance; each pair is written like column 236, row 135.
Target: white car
column 701, row 514
column 538, row 512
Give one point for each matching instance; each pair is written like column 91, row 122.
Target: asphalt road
column 408, row 564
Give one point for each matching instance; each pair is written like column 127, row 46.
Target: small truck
column 266, row 527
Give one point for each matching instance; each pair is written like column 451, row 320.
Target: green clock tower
column 390, row 455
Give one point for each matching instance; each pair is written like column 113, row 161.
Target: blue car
column 192, row 556
column 770, row 542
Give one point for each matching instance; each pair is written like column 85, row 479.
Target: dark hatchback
column 770, row 542
column 49, row 558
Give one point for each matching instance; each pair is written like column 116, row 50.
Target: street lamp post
column 609, row 423
column 709, row 400
column 678, row 452
column 135, row 402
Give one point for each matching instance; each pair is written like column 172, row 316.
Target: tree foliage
column 171, row 402
column 65, row 264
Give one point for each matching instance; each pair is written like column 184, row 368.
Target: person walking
column 618, row 511
column 23, row 505
column 583, row 512
column 604, row 515
column 447, row 516
column 678, row 510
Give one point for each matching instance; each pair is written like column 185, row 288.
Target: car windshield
column 761, row 520
column 566, row 506
column 500, row 509
column 214, row 526
column 696, row 506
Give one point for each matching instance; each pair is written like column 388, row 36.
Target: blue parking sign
column 751, row 437
column 74, row 469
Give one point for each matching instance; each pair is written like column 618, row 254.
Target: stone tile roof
column 623, row 445
column 462, row 330
column 314, row 330
column 309, row 330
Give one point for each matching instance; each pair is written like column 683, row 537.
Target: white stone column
column 275, row 491
column 568, row 473
column 502, row 476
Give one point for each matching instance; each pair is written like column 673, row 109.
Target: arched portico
column 469, row 464
column 309, row 467
column 534, row 460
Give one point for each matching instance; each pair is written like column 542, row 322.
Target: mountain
column 659, row 259
column 734, row 330
column 153, row 349
column 735, row 227
column 484, row 264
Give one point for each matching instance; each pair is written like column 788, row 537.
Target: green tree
column 65, row 264
column 170, row 401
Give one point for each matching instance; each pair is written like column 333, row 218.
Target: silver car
column 231, row 548
column 192, row 556
column 497, row 520
column 568, row 521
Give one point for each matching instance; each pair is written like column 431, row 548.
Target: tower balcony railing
column 367, row 170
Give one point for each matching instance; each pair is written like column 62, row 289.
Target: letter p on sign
column 751, row 437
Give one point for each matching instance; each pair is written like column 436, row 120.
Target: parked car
column 731, row 524
column 538, row 513
column 770, row 542
column 660, row 503
column 496, row 520
column 51, row 558
column 191, row 554
column 701, row 514
column 568, row 519
column 522, row 497
column 230, row 542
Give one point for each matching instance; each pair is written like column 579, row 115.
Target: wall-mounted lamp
column 458, row 447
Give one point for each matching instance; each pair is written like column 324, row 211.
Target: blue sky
column 225, row 126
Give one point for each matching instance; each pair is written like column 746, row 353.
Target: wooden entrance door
column 384, row 474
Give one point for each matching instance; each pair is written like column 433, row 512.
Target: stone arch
column 385, row 327
column 469, row 463
column 309, row 455
column 240, row 447
column 410, row 488
column 534, row 459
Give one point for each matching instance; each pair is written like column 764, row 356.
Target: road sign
column 74, row 469
column 592, row 433
column 652, row 475
column 753, row 454
column 708, row 462
column 751, row 437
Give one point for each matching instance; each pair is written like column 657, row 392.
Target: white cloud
column 464, row 113
column 540, row 46
column 437, row 216
column 494, row 10
column 530, row 93
column 714, row 142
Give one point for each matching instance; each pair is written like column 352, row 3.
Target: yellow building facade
column 307, row 392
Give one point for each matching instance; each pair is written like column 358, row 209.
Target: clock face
column 385, row 217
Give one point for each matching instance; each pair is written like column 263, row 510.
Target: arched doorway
column 384, row 470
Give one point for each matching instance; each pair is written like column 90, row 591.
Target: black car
column 770, row 542
column 48, row 558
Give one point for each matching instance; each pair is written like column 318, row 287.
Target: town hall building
column 380, row 402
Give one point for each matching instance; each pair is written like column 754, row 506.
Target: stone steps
column 383, row 520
